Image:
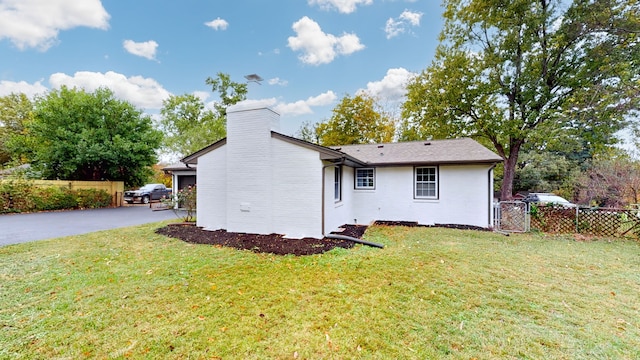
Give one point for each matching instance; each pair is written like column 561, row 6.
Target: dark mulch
column 274, row 243
column 415, row 224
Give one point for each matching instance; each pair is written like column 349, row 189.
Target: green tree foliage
column 355, row 120
column 230, row 92
column 16, row 110
column 92, row 136
column 187, row 124
column 545, row 171
column 521, row 72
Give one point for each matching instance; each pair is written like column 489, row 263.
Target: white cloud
column 36, row 23
column 145, row 49
column 343, row 6
column 218, row 24
column 31, row 90
column 392, row 87
column 278, row 81
column 302, row 107
column 399, row 25
column 202, row 95
column 142, row 92
column 318, row 47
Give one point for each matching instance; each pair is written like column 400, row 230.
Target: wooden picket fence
column 115, row 188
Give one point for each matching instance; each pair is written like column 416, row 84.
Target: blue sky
column 310, row 53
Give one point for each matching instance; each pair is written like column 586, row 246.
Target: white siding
column 212, row 190
column 297, row 187
column 464, row 197
column 338, row 213
column 256, row 183
column 249, row 166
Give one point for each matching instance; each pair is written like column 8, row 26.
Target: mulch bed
column 415, row 224
column 274, row 243
column 277, row 244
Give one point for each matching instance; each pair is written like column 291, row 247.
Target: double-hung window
column 365, row 179
column 426, row 182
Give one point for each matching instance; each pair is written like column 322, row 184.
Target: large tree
column 529, row 71
column 16, row 110
column 91, row 136
column 189, row 126
column 355, row 120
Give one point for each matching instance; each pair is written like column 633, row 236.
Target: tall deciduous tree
column 92, row 136
column 355, row 120
column 526, row 71
column 189, row 126
column 230, row 92
column 16, row 110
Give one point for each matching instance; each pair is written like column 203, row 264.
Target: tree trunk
column 506, row 191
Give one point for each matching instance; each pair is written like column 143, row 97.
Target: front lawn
column 431, row 293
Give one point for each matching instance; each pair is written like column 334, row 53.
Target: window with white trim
column 337, row 183
column 365, row 179
column 426, row 182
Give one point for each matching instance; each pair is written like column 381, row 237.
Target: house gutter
column 324, row 168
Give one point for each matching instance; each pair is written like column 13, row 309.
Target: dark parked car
column 147, row 193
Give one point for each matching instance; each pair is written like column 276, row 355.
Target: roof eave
column 325, row 152
column 193, row 158
column 430, row 163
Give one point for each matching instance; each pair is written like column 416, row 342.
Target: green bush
column 92, row 198
column 22, row 196
column 15, row 196
column 53, row 198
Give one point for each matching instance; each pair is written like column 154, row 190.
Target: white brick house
column 257, row 180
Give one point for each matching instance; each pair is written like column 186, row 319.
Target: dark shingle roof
column 454, row 151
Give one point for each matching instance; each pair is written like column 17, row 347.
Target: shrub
column 53, row 198
column 19, row 195
column 15, row 196
column 92, row 198
column 185, row 200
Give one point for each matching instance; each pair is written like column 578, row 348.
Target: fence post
column 577, row 222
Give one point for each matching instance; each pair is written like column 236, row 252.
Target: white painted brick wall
column 249, row 166
column 297, row 185
column 212, row 190
column 464, row 197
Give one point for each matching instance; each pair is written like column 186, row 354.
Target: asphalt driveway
column 19, row 228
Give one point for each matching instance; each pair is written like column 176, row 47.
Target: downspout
column 324, row 167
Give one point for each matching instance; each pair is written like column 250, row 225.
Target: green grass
column 431, row 293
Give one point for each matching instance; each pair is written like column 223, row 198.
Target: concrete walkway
column 19, row 228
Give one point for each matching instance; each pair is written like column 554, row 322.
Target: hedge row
column 22, row 196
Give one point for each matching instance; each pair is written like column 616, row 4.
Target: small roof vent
column 427, row 143
column 380, row 146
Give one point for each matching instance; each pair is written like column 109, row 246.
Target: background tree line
column 72, row 134
column 546, row 84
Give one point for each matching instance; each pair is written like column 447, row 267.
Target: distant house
column 258, row 180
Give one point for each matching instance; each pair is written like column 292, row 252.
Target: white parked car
column 547, row 199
